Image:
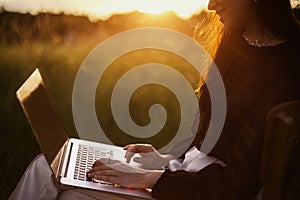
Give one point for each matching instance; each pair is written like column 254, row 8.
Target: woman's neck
column 258, row 35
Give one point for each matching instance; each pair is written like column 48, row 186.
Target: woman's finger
column 96, row 163
column 128, row 146
column 101, row 161
column 130, row 151
column 110, row 179
column 139, row 148
column 142, row 160
column 143, row 148
column 99, row 168
column 107, row 172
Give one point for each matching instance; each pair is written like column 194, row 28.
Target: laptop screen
column 42, row 116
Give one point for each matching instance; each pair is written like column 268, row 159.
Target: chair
column 282, row 127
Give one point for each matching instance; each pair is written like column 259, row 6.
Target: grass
column 58, row 64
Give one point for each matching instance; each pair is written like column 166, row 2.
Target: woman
column 259, row 62
column 258, row 58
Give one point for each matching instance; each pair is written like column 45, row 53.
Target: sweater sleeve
column 181, row 185
column 211, row 183
column 238, row 180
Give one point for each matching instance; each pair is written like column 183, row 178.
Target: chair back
column 282, row 127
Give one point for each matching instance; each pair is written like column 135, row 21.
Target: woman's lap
column 37, row 183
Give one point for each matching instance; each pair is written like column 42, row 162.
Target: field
column 18, row 146
column 57, row 45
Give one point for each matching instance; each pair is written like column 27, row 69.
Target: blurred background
column 56, row 39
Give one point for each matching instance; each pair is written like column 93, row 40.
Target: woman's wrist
column 169, row 157
column 166, row 159
column 152, row 177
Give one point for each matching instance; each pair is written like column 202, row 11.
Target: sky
column 103, row 9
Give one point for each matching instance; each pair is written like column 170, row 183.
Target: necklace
column 263, row 42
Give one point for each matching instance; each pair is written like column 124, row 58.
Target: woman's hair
column 208, row 31
column 278, row 17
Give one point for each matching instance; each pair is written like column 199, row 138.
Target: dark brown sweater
column 255, row 80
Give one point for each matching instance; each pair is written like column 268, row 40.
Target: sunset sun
column 183, row 9
column 103, row 9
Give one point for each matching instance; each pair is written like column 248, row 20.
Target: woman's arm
column 122, row 174
column 181, row 185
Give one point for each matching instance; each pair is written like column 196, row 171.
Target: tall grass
column 58, row 64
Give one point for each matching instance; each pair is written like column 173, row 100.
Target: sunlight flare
column 103, row 9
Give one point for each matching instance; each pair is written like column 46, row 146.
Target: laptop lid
column 49, row 131
column 39, row 110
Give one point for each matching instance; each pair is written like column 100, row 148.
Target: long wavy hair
column 208, row 31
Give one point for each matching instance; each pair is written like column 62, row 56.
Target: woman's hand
column 122, row 174
column 150, row 158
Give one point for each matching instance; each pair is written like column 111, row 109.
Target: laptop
column 69, row 158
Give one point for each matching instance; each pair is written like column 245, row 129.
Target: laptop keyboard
column 86, row 157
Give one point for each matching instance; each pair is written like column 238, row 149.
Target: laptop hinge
column 61, row 165
column 67, row 157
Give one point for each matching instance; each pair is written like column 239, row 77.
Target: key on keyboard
column 86, row 157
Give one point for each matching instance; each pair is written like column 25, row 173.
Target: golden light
column 105, row 8
column 182, row 8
